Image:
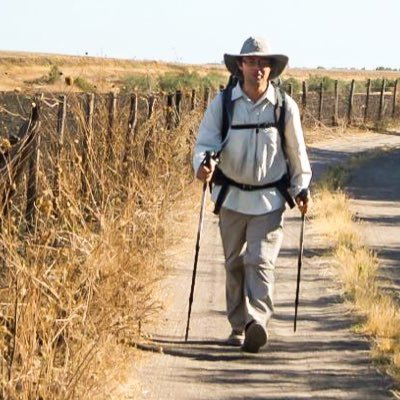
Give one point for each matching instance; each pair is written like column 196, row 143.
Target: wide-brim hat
column 256, row 47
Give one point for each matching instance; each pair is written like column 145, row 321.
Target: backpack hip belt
column 219, row 178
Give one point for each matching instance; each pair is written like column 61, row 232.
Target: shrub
column 192, row 80
column 314, row 82
column 84, row 85
column 173, row 81
column 170, row 82
column 54, row 75
column 296, row 85
column 214, row 81
column 139, row 83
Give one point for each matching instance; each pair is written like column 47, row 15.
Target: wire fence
column 71, row 124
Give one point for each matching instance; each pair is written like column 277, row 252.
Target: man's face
column 256, row 70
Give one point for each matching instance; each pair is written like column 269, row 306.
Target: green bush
column 314, row 83
column 84, row 85
column 296, row 85
column 54, row 74
column 192, row 80
column 140, row 83
column 214, row 81
column 170, row 82
column 360, row 86
column 51, row 77
column 376, row 84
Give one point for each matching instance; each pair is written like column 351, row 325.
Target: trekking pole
column 206, row 162
column 299, row 264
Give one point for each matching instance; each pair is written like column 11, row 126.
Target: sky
column 325, row 33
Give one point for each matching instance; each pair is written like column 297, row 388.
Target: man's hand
column 207, row 167
column 205, row 172
column 302, row 200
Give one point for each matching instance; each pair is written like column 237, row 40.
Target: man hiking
column 255, row 130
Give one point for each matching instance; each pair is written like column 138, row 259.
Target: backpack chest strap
column 257, row 127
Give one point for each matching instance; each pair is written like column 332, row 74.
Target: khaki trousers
column 251, row 246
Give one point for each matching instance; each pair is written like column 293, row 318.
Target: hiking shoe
column 235, row 338
column 255, row 337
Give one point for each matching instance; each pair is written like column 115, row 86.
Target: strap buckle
column 244, row 186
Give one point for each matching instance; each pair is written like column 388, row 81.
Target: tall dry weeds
column 357, row 267
column 79, row 287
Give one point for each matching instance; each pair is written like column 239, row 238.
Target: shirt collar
column 270, row 94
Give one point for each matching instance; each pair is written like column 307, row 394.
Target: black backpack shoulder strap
column 280, row 111
column 227, row 107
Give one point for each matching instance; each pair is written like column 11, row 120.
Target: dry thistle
column 5, row 145
column 69, row 80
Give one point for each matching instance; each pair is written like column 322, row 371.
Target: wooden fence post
column 321, row 93
column 304, row 100
column 132, row 122
column 178, row 106
column 112, row 114
column 170, row 111
column 394, row 98
column 351, row 99
column 367, row 100
column 193, row 100
column 13, row 161
column 148, row 142
column 32, row 183
column 151, row 101
column 336, row 104
column 87, row 138
column 61, row 116
column 382, row 100
column 206, row 100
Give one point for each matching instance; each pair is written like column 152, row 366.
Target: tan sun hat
column 256, row 47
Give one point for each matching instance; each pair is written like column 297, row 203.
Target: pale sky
column 328, row 33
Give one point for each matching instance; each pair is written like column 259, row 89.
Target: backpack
column 227, row 113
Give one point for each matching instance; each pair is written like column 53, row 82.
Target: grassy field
column 29, row 71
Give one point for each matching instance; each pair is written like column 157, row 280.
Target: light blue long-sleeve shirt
column 255, row 158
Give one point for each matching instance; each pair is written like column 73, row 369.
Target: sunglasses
column 261, row 63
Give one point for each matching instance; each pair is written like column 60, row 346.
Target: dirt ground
column 375, row 192
column 322, row 360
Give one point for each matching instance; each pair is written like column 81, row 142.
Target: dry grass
column 340, row 74
column 20, row 69
column 356, row 267
column 76, row 290
column 317, row 132
column 332, row 216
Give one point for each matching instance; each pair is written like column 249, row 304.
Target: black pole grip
column 207, row 159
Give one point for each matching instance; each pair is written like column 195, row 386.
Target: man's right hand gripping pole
column 207, row 167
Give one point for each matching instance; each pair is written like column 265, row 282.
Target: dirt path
column 323, row 360
column 375, row 190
